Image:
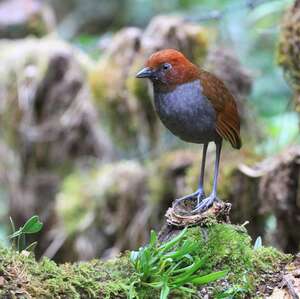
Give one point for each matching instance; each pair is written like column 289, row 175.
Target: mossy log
column 279, row 193
column 288, row 49
column 47, row 122
column 253, row 272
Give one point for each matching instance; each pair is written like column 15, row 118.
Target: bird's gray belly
column 187, row 113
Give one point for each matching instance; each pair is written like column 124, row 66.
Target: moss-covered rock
column 25, row 278
column 289, row 47
column 47, row 122
column 229, row 246
column 225, row 246
column 53, row 99
column 121, row 110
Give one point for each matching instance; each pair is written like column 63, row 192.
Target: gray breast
column 187, row 113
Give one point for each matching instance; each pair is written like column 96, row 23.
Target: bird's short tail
column 230, row 131
column 238, row 143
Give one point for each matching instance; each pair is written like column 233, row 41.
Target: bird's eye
column 166, row 66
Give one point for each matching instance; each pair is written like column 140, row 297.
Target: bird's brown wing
column 228, row 121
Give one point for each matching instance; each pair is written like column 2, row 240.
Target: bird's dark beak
column 146, row 72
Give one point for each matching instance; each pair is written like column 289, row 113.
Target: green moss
column 116, row 105
column 268, row 259
column 201, row 42
column 87, row 194
column 230, row 247
column 226, row 247
column 25, row 278
column 76, row 199
column 37, row 26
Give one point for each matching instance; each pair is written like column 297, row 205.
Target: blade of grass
column 31, row 247
column 153, row 238
column 193, row 267
column 186, row 275
column 164, row 291
column 188, row 247
column 209, row 277
column 16, row 234
column 168, row 245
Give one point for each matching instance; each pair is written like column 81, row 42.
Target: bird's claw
column 199, row 195
column 205, row 204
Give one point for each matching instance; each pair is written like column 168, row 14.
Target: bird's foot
column 199, row 195
column 205, row 204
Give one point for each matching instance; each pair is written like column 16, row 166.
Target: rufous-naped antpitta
column 196, row 106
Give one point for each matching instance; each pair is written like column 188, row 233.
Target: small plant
column 32, row 226
column 171, row 265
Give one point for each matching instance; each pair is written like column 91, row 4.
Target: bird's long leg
column 216, row 172
column 207, row 202
column 199, row 194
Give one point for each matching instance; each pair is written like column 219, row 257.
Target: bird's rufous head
column 169, row 68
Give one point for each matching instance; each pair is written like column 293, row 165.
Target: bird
column 195, row 106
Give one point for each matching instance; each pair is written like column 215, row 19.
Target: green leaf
column 132, row 292
column 32, row 225
column 186, row 248
column 172, row 242
column 193, row 267
column 164, row 291
column 187, row 274
column 156, row 285
column 209, row 277
column 187, row 289
column 153, row 238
